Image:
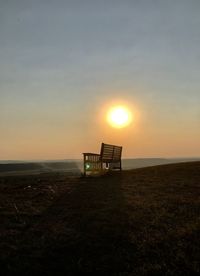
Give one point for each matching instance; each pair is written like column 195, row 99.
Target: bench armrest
column 91, row 157
column 90, row 154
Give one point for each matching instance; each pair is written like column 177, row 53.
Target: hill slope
column 139, row 222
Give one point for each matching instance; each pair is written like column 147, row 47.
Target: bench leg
column 84, row 169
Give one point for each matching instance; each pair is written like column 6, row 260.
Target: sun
column 119, row 116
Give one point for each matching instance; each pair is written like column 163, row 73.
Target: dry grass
column 138, row 222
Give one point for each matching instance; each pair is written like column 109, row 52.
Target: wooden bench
column 109, row 158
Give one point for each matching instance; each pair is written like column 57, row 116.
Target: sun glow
column 119, row 117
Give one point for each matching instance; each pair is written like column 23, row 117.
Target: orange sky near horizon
column 51, row 138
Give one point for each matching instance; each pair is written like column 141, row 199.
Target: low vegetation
column 139, row 222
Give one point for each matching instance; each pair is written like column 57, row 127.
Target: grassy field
column 139, row 222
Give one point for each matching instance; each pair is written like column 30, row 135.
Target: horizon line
column 79, row 159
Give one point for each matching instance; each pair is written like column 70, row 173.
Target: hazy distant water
column 75, row 166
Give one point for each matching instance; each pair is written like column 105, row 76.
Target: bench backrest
column 110, row 153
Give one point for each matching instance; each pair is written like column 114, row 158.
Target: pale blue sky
column 60, row 61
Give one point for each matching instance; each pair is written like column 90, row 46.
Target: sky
column 63, row 64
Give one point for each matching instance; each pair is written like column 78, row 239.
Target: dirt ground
column 138, row 222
